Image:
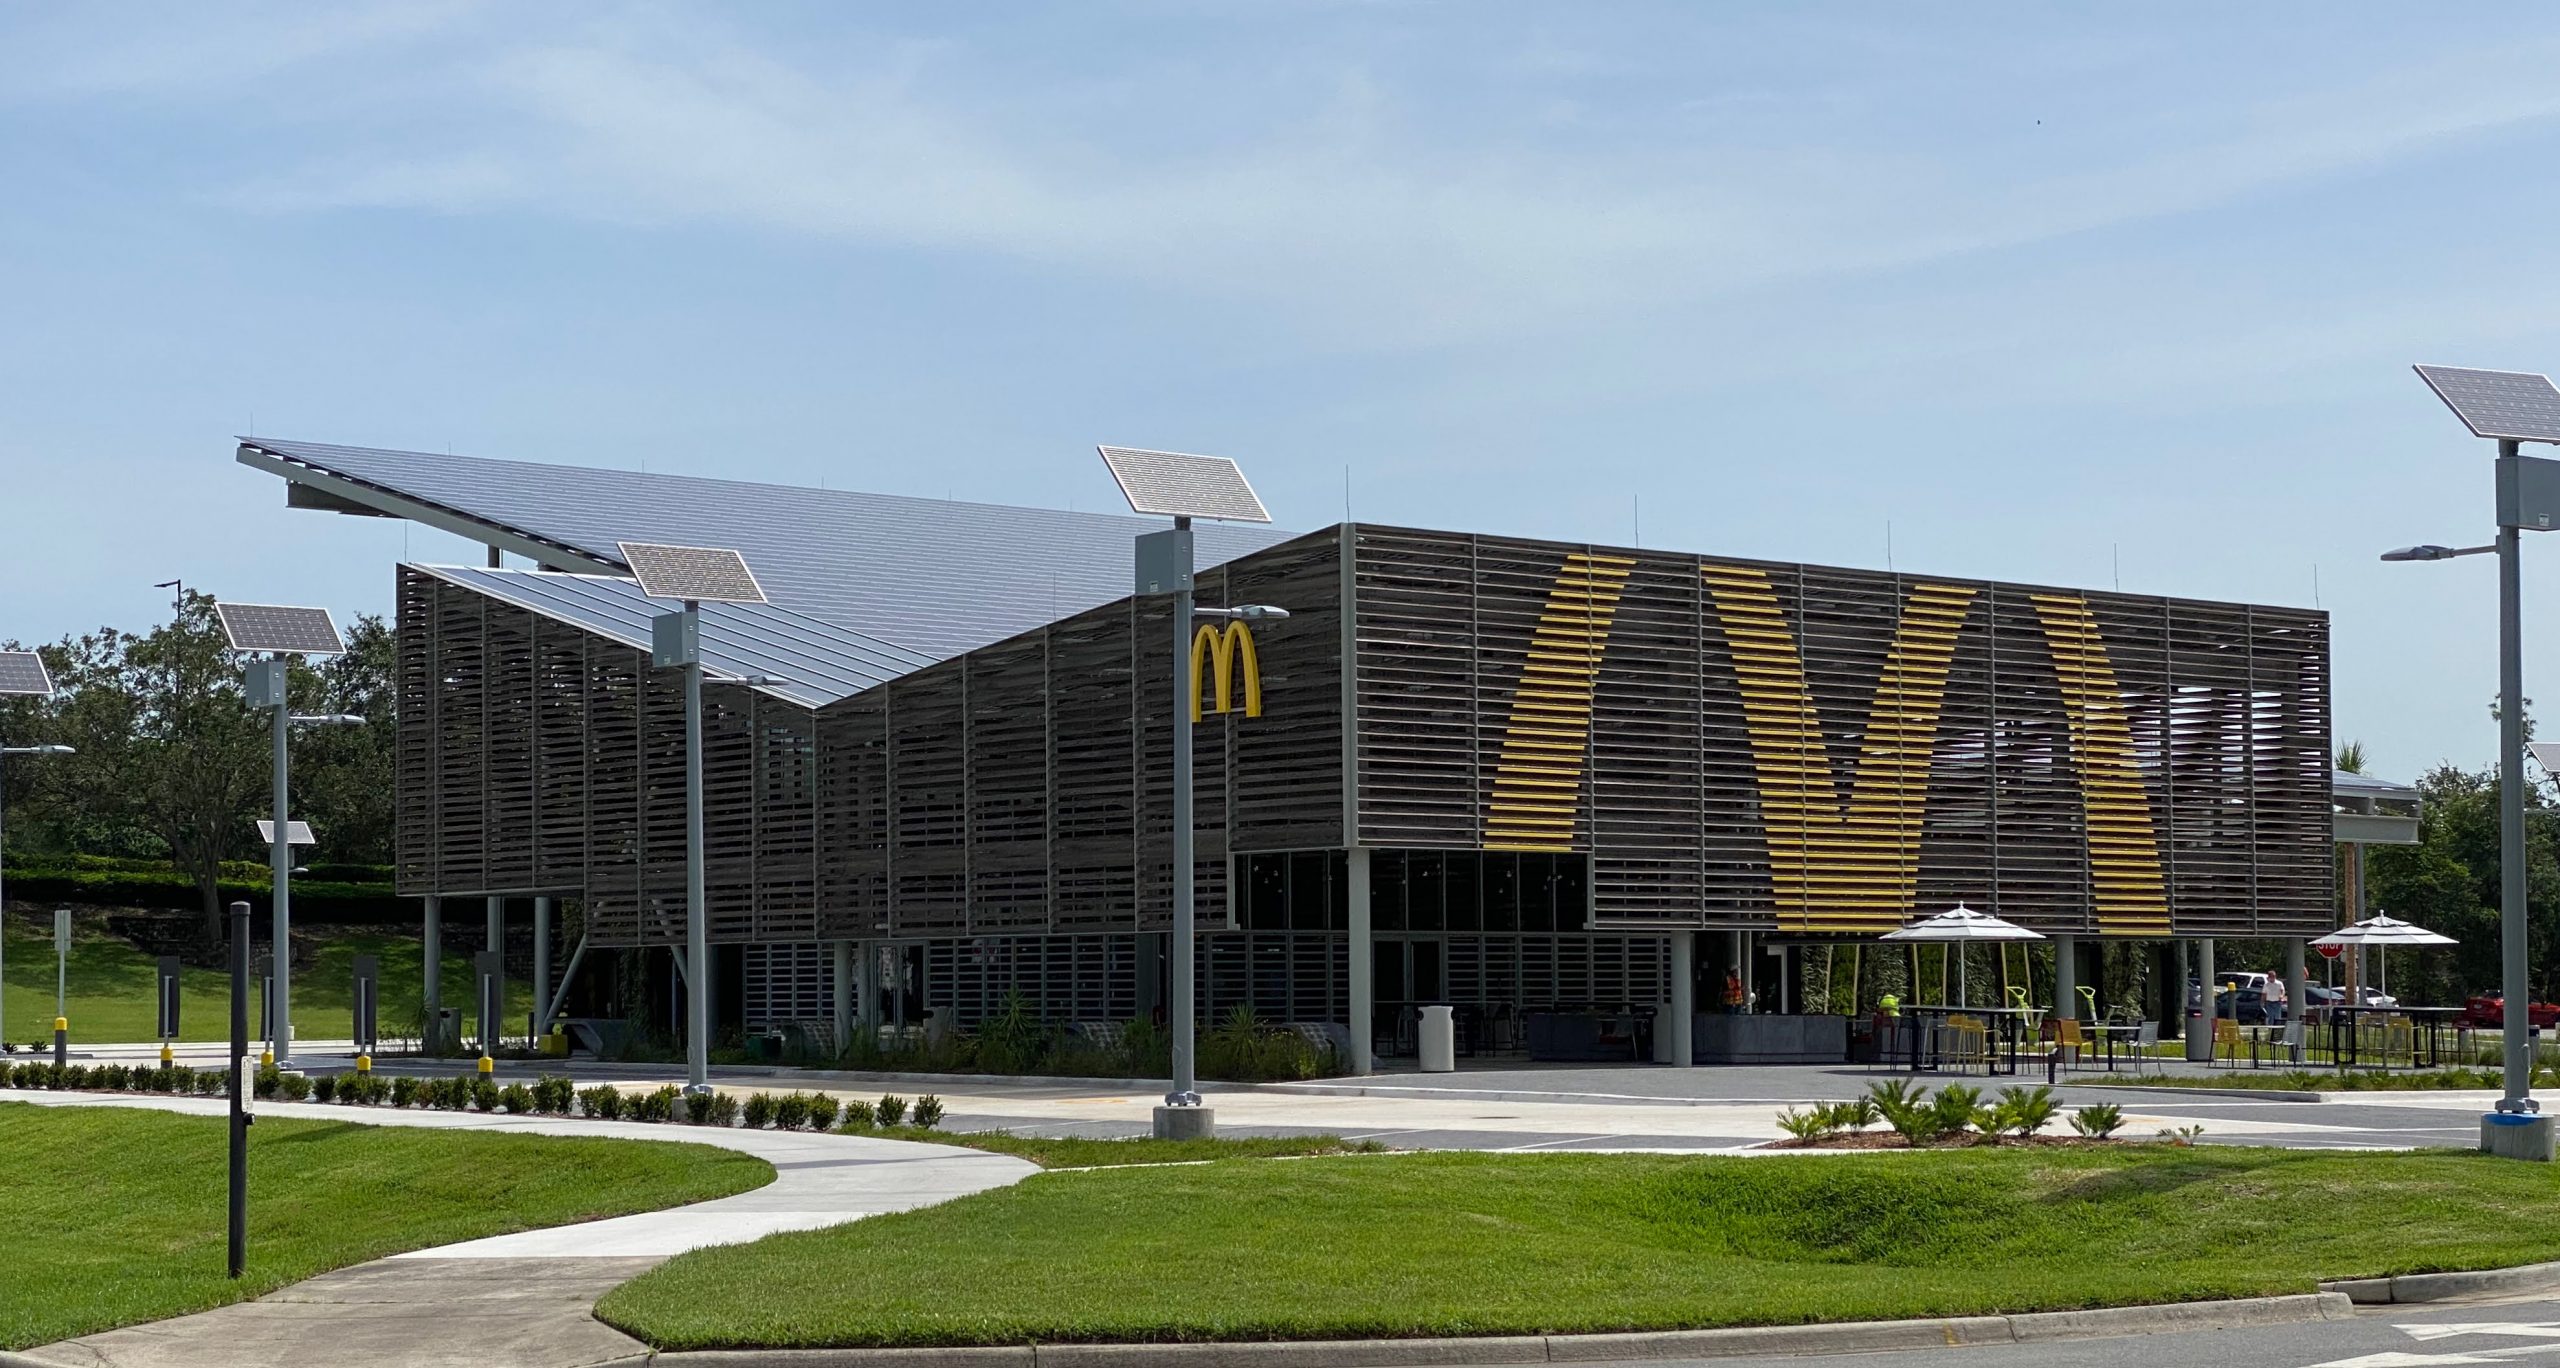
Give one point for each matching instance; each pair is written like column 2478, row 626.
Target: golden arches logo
column 1220, row 651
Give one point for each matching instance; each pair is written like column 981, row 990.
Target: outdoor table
column 1919, row 1040
column 2427, row 1025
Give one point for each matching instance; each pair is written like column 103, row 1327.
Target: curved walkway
column 525, row 1298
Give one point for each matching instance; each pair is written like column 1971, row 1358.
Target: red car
column 2490, row 1010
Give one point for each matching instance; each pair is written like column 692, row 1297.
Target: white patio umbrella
column 2382, row 931
column 1961, row 925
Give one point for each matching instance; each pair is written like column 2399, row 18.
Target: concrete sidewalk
column 526, row 1298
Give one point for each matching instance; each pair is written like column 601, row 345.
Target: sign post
column 241, row 1083
column 368, row 980
column 168, row 1005
column 61, row 986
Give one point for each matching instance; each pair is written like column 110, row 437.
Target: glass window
column 1266, row 892
column 1386, row 890
column 1464, row 878
column 1424, row 890
column 1308, row 892
column 1501, row 895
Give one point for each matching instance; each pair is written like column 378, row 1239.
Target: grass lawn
column 114, row 1216
column 1473, row 1244
column 111, row 986
column 1093, row 1153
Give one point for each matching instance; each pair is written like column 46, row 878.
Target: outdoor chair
column 2279, row 1040
column 1966, row 1041
column 2141, row 1041
column 2226, row 1041
column 2068, row 1039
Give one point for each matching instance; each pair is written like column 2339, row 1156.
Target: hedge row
column 549, row 1095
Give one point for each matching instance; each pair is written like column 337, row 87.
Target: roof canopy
column 936, row 577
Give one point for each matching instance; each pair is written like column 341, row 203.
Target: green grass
column 115, row 1215
column 111, row 985
column 1476, row 1244
column 1093, row 1153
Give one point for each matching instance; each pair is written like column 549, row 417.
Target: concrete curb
column 1851, row 1337
column 2427, row 1287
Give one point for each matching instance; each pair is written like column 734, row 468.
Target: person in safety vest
column 1732, row 993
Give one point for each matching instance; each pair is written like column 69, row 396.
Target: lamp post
column 2510, row 408
column 280, row 858
column 4, row 897
column 1182, row 487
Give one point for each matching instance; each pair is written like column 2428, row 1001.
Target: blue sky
column 2057, row 293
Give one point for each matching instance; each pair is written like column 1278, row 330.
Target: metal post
column 1364, row 969
column 866, row 988
column 4, row 910
column 697, row 927
column 1186, row 1091
column 490, row 1025
column 2066, row 977
column 280, row 865
column 2518, row 1032
column 541, row 969
column 431, row 969
column 1684, row 997
column 843, row 982
column 2293, row 999
column 239, row 1086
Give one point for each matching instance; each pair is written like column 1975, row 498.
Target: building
column 1503, row 773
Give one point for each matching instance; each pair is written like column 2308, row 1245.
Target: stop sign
column 2329, row 951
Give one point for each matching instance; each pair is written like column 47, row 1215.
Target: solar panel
column 1183, row 486
column 22, row 675
column 296, row 832
column 268, row 627
column 695, row 574
column 2515, row 406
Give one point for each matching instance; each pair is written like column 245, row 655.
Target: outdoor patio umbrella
column 2382, row 931
column 1959, row 925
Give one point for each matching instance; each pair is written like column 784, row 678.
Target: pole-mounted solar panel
column 296, row 832
column 1174, row 484
column 273, row 627
column 22, row 675
column 2515, row 406
column 692, row 574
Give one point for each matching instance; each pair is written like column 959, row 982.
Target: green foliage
column 1958, row 1108
column 1242, row 1048
column 792, row 1112
column 404, row 1091
column 2023, row 1111
column 1811, row 1125
column 760, row 1110
column 1013, row 1041
column 1861, row 1112
column 325, row 1089
column 553, row 1094
column 823, row 1109
column 2098, row 1120
column 654, row 1106
column 928, row 1112
column 486, row 1094
column 891, row 1109
column 516, row 1098
column 862, row 1116
column 719, row 1109
column 603, row 1102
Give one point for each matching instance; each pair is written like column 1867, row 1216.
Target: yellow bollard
column 488, row 1065
column 266, row 1059
column 364, row 1063
column 166, row 1058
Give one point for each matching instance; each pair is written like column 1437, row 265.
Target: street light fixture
column 281, row 632
column 2432, row 552
column 22, row 675
column 2509, row 408
column 1183, row 487
column 692, row 575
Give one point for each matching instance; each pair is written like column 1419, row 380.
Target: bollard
column 266, row 1059
column 62, row 1042
column 364, row 1063
column 487, row 1065
column 166, row 1058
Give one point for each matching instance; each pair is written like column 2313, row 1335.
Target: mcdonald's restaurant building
column 1540, row 781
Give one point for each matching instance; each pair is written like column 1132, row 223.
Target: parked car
column 2490, row 1010
column 2248, row 1006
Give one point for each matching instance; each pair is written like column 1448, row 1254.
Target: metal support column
column 1684, row 996
column 431, row 970
column 2293, row 999
column 541, row 968
column 842, row 982
column 2066, row 977
column 866, row 987
column 1364, row 970
column 2200, row 1040
column 697, row 917
column 2518, row 1027
column 490, row 1025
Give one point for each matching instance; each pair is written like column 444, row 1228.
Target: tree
column 2351, row 757
column 167, row 744
column 342, row 776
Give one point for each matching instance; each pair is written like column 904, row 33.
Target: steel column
column 280, row 875
column 1364, row 969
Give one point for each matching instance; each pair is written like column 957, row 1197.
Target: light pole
column 22, row 675
column 692, row 576
column 1182, row 487
column 281, row 632
column 2509, row 408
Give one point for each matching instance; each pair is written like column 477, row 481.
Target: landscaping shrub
column 214, row 1082
column 325, row 1089
column 2098, row 1120
column 603, row 1102
column 1013, row 1041
column 720, row 1109
column 1958, row 1108
column 928, row 1112
column 760, row 1110
column 486, row 1094
column 375, row 1089
column 1905, row 1107
column 1812, row 1125
column 404, row 1091
column 2023, row 1111
column 553, row 1094
column 517, row 1099
column 792, row 1112
column 822, row 1112
column 295, row 1087
column 656, row 1106
column 892, row 1109
column 861, row 1116
column 462, row 1091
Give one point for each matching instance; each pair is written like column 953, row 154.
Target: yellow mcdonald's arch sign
column 1855, row 866
column 1219, row 651
column 1834, row 865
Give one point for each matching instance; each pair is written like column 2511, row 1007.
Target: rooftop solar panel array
column 818, row 662
column 935, row 576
